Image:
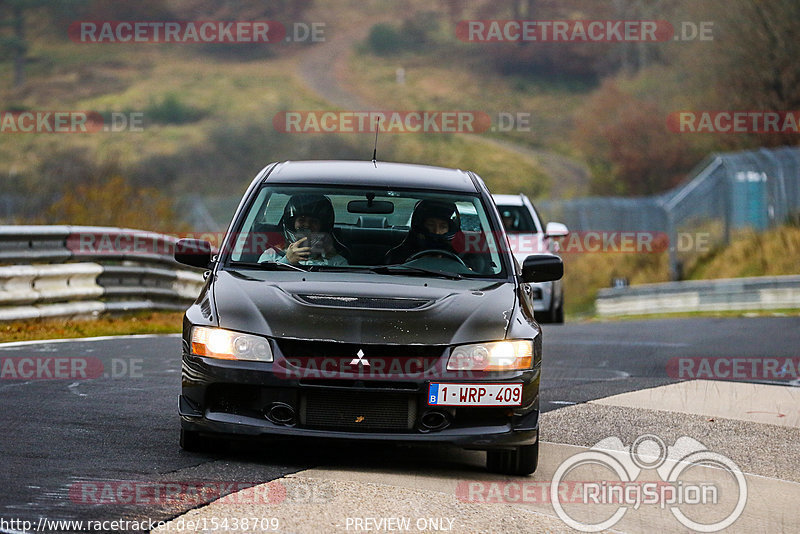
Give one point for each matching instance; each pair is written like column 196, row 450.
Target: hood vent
column 370, row 303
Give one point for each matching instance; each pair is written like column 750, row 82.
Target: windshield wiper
column 268, row 265
column 341, row 268
column 387, row 269
column 400, row 268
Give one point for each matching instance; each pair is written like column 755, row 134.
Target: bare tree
column 13, row 19
column 761, row 50
column 752, row 61
column 13, row 35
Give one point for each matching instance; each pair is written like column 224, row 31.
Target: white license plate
column 475, row 394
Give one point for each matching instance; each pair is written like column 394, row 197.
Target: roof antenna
column 375, row 150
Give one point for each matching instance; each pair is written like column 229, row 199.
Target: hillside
column 589, row 118
column 567, row 118
column 207, row 116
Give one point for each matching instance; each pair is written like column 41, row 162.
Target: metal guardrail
column 27, row 244
column 732, row 294
column 133, row 270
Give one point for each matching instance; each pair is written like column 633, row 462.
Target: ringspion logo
column 710, row 504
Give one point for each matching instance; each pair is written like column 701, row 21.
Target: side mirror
column 193, row 252
column 542, row 268
column 556, row 229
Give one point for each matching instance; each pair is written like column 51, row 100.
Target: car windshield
column 413, row 233
column 517, row 219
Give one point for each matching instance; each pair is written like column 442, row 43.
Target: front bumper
column 224, row 397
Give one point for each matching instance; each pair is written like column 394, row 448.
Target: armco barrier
column 134, row 270
column 35, row 244
column 733, row 294
column 27, row 284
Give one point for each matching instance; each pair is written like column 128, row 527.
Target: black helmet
column 438, row 209
column 318, row 206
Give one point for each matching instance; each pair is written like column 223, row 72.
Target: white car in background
column 527, row 236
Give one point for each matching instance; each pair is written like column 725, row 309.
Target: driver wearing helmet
column 509, row 221
column 307, row 226
column 434, row 224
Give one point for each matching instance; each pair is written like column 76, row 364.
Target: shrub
column 113, row 201
column 384, row 40
column 170, row 110
column 628, row 146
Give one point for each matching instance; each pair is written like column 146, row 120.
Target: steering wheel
column 436, row 252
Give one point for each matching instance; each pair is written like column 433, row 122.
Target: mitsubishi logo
column 360, row 359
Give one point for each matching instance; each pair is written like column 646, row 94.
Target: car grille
column 357, row 411
column 385, row 361
column 371, row 303
column 298, row 348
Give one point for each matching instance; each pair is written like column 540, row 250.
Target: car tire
column 555, row 314
column 558, row 314
column 520, row 461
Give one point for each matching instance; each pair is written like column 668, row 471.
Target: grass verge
column 772, row 253
column 117, row 325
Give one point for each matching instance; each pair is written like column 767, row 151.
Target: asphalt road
column 68, row 443
column 585, row 361
column 63, row 438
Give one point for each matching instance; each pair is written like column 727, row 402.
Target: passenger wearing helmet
column 307, row 226
column 434, row 224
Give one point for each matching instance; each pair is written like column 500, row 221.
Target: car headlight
column 494, row 356
column 229, row 345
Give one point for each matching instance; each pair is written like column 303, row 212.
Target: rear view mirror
column 383, row 207
column 542, row 268
column 193, row 252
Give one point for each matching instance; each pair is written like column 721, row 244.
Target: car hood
column 363, row 308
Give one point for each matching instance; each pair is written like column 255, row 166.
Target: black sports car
column 365, row 300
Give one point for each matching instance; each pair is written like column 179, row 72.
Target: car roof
column 508, row 200
column 365, row 173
